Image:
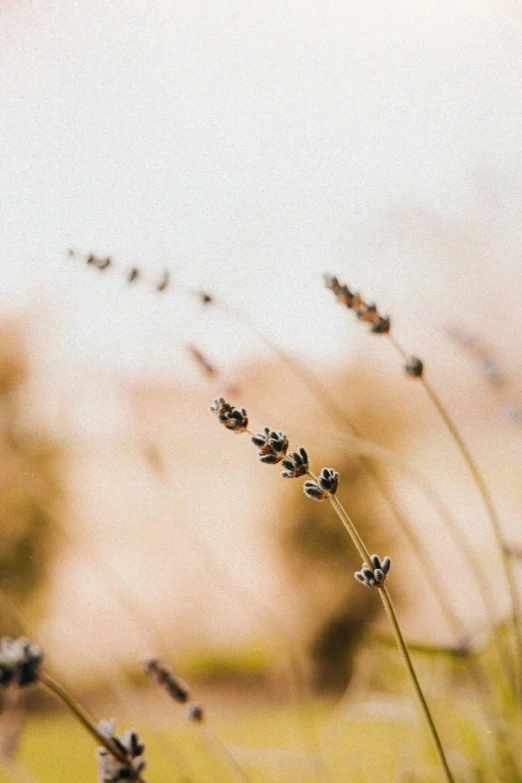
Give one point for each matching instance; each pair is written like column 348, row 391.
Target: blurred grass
column 378, row 739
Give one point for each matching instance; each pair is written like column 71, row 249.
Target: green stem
column 385, row 597
column 492, row 514
column 83, row 716
column 403, row 649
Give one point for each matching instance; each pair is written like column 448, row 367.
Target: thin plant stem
column 403, row 649
column 490, row 508
column 373, row 451
column 401, row 644
column 84, row 718
column 217, row 746
column 321, row 394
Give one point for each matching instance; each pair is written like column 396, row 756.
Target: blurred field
column 55, row 749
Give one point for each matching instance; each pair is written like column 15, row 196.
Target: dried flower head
column 368, row 313
column 234, row 419
column 374, row 577
column 162, row 284
column 325, row 486
column 174, row 686
column 196, row 714
column 204, row 298
column 20, row 661
column 342, row 292
column 131, row 747
column 272, row 445
column 414, row 367
column 296, row 463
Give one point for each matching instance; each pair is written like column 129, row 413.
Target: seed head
column 296, row 464
column 374, row 577
column 414, row 367
column 174, row 686
column 196, row 714
column 368, row 313
column 234, row 419
column 272, row 445
column 113, row 770
column 20, row 661
column 324, row 487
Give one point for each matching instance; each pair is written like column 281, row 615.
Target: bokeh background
column 243, row 150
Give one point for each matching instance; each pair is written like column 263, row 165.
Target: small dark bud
column 20, row 661
column 382, row 326
column 313, row 490
column 329, row 480
column 174, row 686
column 232, row 418
column 163, row 283
column 374, row 577
column 296, row 464
column 272, row 445
column 195, row 713
column 414, row 367
column 133, row 275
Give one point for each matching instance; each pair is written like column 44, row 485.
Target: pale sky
column 251, row 146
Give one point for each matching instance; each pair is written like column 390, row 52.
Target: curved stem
column 401, row 644
column 368, row 450
column 83, row 716
column 215, row 743
column 326, row 401
column 492, row 514
column 403, row 649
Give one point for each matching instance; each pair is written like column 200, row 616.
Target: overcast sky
column 250, row 146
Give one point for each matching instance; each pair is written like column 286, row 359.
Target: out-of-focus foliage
column 336, row 609
column 30, row 491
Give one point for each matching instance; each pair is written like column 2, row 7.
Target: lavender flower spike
column 324, row 487
column 232, row 418
column 374, row 577
column 20, row 661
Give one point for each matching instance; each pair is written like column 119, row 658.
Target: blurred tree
column 30, row 491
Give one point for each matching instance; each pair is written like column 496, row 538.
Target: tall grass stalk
column 325, row 400
column 401, row 644
column 83, row 717
column 490, row 508
column 375, row 452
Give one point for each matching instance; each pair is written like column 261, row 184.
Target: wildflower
column 175, row 688
column 196, row 714
column 414, row 367
column 130, row 765
column 272, row 445
column 20, row 661
column 382, row 325
column 234, row 419
column 368, row 313
column 342, row 292
column 296, row 464
column 374, row 577
column 324, row 487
